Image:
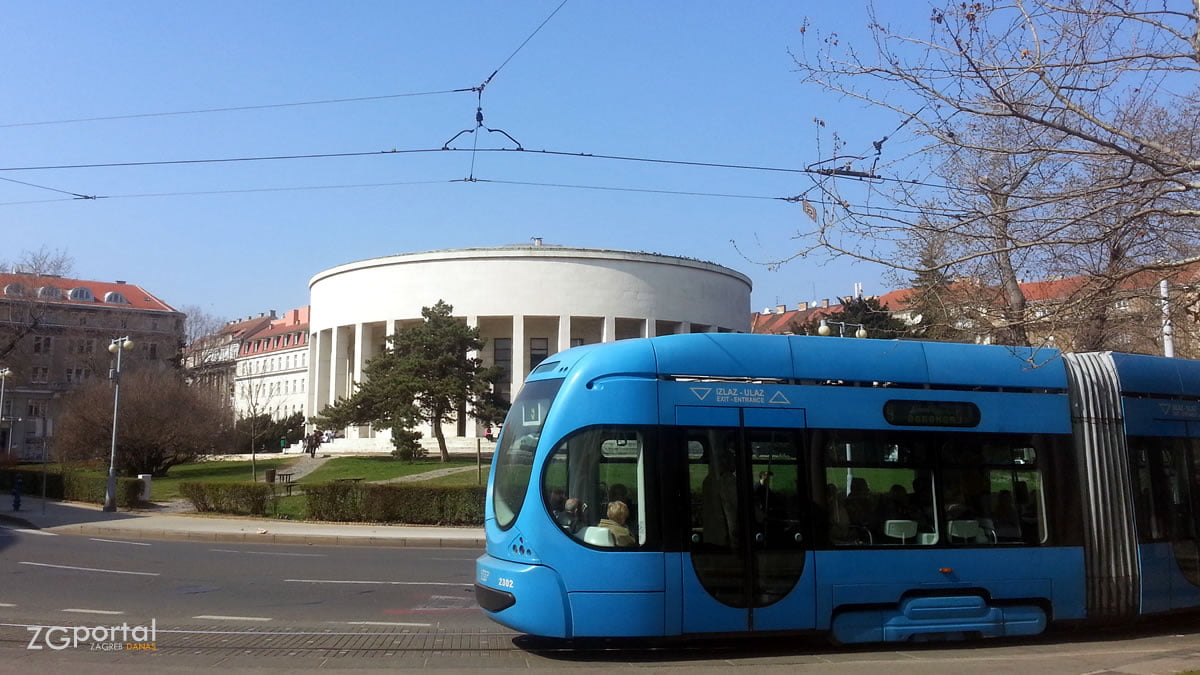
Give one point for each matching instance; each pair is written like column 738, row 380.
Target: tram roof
column 795, row 357
column 1141, row 374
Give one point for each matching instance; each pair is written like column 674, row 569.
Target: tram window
column 880, row 506
column 992, row 490
column 587, row 475
column 886, row 488
column 515, row 452
column 879, row 489
column 1151, row 515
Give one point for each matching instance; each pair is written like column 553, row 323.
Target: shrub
column 83, row 487
column 242, row 498
column 334, row 501
column 396, row 503
column 73, row 486
column 406, row 444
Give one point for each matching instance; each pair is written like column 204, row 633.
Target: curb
column 15, row 520
column 268, row 538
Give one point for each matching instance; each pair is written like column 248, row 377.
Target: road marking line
column 7, row 604
column 298, row 555
column 23, row 530
column 219, row 617
column 389, row 583
column 387, row 623
column 115, row 541
column 90, row 569
column 93, row 611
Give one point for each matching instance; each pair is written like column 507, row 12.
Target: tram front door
column 746, row 561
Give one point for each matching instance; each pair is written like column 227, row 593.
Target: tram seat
column 900, row 529
column 967, row 531
column 599, row 536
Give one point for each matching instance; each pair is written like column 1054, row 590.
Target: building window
column 539, row 349
column 50, row 292
column 36, row 409
column 502, row 356
column 153, row 350
column 115, row 298
column 40, row 375
column 42, row 344
column 576, row 342
column 82, row 294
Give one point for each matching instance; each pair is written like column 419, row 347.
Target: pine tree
column 423, row 375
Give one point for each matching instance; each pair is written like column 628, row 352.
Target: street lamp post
column 4, row 373
column 118, row 345
column 824, row 328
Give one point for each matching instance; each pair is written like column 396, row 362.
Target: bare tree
column 22, row 313
column 208, row 352
column 162, row 422
column 1049, row 139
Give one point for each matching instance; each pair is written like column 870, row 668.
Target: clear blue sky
column 705, row 82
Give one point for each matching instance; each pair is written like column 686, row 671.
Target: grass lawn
column 375, row 468
column 288, row 508
column 163, row 489
column 456, row 479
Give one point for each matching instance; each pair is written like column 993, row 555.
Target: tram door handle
column 758, row 538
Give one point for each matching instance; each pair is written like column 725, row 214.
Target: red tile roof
column 1051, row 289
column 293, row 321
column 780, row 323
column 138, row 297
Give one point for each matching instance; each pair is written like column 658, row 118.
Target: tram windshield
column 518, row 443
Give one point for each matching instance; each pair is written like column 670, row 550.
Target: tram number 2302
column 504, row 583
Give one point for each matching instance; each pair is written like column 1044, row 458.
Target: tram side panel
column 886, row 577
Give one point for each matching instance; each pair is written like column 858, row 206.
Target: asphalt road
column 287, row 608
column 46, row 574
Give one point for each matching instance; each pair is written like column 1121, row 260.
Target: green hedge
column 73, row 486
column 246, row 498
column 396, row 503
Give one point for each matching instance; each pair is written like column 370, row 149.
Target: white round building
column 528, row 302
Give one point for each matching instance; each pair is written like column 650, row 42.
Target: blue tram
column 876, row 490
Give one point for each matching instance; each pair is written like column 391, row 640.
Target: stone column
column 519, row 350
column 564, row 332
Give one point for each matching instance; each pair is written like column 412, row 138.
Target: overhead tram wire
column 294, row 188
column 479, row 101
column 351, row 186
column 521, row 46
column 76, row 195
column 200, row 111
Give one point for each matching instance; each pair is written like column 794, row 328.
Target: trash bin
column 270, row 476
column 145, row 478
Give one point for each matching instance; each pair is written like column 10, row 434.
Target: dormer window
column 82, row 294
column 16, row 289
column 50, row 292
column 115, row 298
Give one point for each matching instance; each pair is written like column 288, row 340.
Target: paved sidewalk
column 88, row 519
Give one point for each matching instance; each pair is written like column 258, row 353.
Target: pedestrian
column 487, row 433
column 18, row 483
